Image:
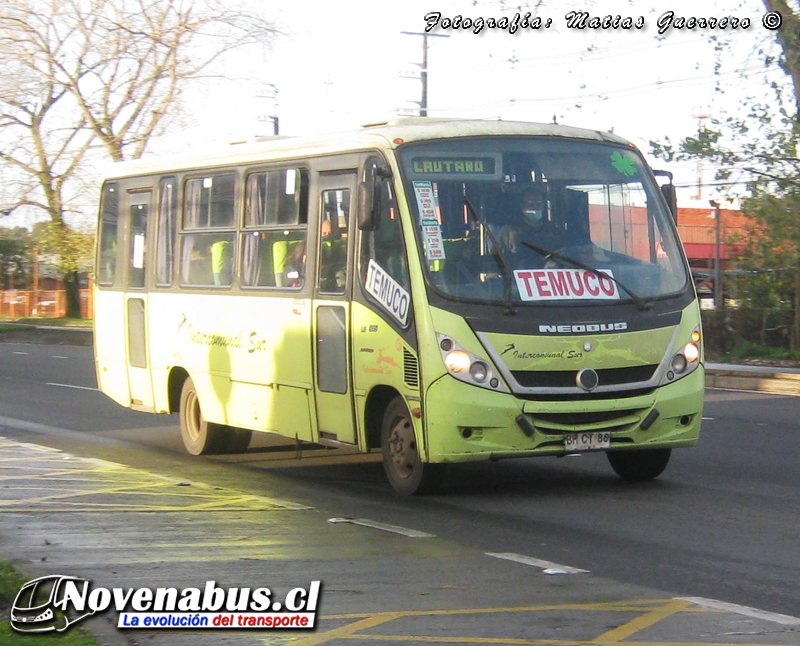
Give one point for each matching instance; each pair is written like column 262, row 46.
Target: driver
column 532, row 225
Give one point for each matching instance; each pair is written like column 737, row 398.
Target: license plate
column 593, row 441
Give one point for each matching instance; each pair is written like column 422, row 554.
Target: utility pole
column 423, row 74
column 700, row 132
column 269, row 91
column 717, row 257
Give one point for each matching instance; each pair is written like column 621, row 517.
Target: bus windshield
column 541, row 221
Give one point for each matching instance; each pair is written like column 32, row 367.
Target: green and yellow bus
column 439, row 290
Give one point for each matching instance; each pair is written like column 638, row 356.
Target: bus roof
column 382, row 135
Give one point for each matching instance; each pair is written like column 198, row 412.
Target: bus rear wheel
column 636, row 466
column 404, row 468
column 237, row 439
column 199, row 436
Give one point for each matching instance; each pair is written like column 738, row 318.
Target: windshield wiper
column 499, row 258
column 547, row 253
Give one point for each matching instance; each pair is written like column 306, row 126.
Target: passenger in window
column 531, row 224
column 295, row 266
column 333, row 271
column 222, row 262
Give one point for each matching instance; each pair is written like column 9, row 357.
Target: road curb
column 780, row 383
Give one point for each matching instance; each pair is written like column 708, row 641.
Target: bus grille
column 410, row 369
column 619, row 420
column 566, row 378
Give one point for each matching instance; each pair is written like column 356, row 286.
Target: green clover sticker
column 623, row 163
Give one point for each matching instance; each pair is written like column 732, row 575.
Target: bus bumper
column 463, row 423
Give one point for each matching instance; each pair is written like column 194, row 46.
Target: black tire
column 199, row 436
column 236, row 439
column 636, row 466
column 406, row 472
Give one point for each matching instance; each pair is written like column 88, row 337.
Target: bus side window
column 208, row 230
column 138, row 251
column 385, row 244
column 274, row 239
column 109, row 225
column 167, row 228
column 333, row 241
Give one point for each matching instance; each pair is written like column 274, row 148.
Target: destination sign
column 570, row 284
column 457, row 166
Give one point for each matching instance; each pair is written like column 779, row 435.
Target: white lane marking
column 365, row 522
column 58, row 356
column 529, row 560
column 786, row 620
column 71, row 386
column 20, row 353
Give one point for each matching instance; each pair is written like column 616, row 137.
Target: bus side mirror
column 367, row 213
column 668, row 191
column 370, row 192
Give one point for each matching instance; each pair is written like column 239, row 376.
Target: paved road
column 719, row 524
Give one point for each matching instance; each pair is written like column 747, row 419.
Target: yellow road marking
column 45, row 482
column 349, row 630
column 654, row 611
column 640, row 623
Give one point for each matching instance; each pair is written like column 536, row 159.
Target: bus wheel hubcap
column 403, row 447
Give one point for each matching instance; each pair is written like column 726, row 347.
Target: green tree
column 82, row 76
column 15, row 257
column 757, row 145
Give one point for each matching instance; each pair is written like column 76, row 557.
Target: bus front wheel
column 636, row 466
column 199, row 436
column 406, row 471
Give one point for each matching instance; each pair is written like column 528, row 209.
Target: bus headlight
column 685, row 360
column 468, row 367
column 679, row 364
column 479, row 371
column 457, row 361
column 691, row 352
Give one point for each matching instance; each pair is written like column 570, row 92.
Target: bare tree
column 83, row 75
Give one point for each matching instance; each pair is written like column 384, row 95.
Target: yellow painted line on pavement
column 604, row 606
column 350, row 630
column 619, row 633
column 39, row 479
column 651, row 612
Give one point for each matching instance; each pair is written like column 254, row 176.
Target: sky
column 339, row 65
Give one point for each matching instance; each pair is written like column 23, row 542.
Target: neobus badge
column 570, row 284
column 387, row 291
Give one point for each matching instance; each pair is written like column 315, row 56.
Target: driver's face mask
column 533, row 211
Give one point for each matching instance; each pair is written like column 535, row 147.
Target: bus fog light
column 679, row 363
column 457, row 361
column 479, row 371
column 691, row 352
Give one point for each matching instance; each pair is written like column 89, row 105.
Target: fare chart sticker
column 566, row 284
column 431, row 231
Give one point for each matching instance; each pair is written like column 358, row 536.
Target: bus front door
column 141, row 389
column 333, row 388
